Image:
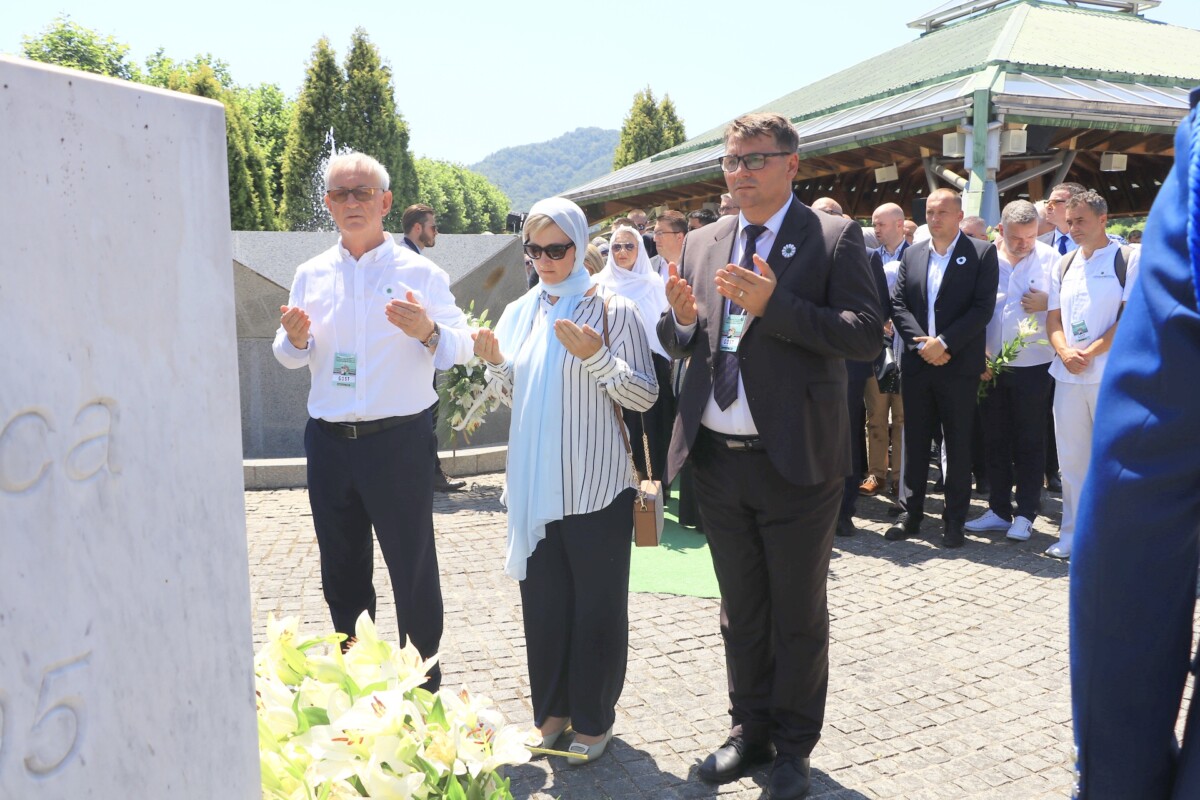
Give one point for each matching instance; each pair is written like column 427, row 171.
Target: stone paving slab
column 948, row 674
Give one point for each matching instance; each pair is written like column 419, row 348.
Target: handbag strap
column 621, row 419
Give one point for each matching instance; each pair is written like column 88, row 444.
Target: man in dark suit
column 762, row 418
column 420, row 231
column 944, row 297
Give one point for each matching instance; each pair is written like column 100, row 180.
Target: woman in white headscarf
column 569, row 484
column 629, row 274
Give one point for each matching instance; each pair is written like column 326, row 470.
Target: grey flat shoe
column 587, row 753
column 548, row 740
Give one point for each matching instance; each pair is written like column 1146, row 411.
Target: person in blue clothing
column 1134, row 564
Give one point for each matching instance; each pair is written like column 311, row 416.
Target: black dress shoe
column 845, row 527
column 442, row 482
column 1053, row 484
column 734, row 759
column 952, row 536
column 789, row 778
column 906, row 525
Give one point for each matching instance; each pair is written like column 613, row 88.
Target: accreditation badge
column 732, row 326
column 1079, row 330
column 344, row 369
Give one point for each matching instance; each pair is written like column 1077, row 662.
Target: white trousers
column 1074, row 420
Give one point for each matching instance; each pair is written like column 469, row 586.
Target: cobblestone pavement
column 948, row 673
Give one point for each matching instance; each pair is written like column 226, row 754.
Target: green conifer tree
column 318, row 110
column 673, row 132
column 649, row 128
column 371, row 124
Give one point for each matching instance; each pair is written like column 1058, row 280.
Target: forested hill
column 528, row 173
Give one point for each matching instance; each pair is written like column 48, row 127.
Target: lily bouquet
column 333, row 726
column 1001, row 362
column 464, row 396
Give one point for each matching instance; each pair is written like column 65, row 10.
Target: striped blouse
column 595, row 466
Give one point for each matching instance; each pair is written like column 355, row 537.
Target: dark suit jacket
column 1133, row 562
column 964, row 306
column 825, row 309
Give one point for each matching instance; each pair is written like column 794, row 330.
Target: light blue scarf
column 534, row 483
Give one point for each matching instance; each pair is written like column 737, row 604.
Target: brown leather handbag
column 648, row 504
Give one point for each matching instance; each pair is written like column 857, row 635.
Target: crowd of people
column 752, row 350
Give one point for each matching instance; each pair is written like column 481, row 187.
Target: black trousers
column 656, row 423
column 384, row 481
column 933, row 399
column 1051, row 442
column 1014, row 422
column 770, row 542
column 575, row 602
column 856, row 388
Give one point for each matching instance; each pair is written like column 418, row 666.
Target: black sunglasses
column 554, row 252
column 751, row 160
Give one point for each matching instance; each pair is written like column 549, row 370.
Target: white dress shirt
column 938, row 264
column 1034, row 271
column 737, row 420
column 1090, row 299
column 345, row 301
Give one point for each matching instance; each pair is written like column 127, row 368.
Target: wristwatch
column 432, row 341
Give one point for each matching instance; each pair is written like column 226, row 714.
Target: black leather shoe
column 1053, row 484
column 952, row 536
column 845, row 527
column 734, row 759
column 789, row 778
column 442, row 482
column 906, row 525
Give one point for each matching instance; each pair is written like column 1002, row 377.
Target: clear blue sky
column 475, row 76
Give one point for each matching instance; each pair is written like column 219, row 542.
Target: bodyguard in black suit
column 944, row 355
column 762, row 419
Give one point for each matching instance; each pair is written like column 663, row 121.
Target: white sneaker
column 1020, row 530
column 990, row 521
column 1059, row 550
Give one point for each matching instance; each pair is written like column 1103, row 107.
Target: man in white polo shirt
column 1085, row 304
column 1014, row 409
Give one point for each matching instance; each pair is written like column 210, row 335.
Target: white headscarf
column 641, row 285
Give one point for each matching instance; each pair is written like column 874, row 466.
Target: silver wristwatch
column 432, row 341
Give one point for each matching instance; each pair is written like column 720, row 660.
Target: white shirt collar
column 374, row 254
column 933, row 253
column 773, row 223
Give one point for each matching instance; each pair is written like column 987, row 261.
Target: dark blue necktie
column 725, row 365
column 1062, row 243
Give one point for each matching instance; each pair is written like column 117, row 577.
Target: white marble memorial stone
column 125, row 637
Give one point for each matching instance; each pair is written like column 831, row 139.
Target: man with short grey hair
column 1014, row 408
column 975, row 227
column 369, row 439
column 729, row 206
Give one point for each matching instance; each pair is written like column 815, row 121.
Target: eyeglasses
column 619, row 246
column 657, row 234
column 752, row 161
column 554, row 252
column 361, row 193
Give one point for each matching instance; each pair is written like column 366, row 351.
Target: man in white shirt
column 1084, row 306
column 1014, row 409
column 371, row 320
column 1056, row 213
